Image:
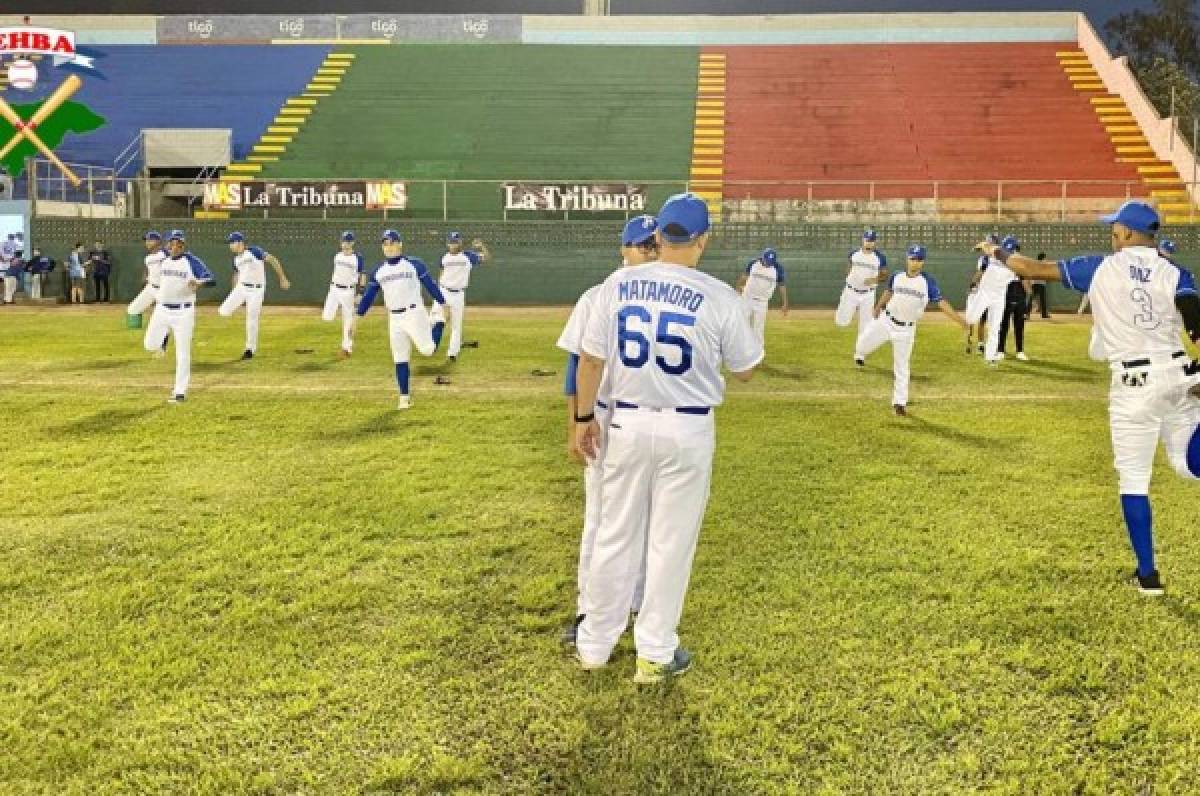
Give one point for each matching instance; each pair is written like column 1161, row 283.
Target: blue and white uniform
column 664, row 331
column 989, row 297
column 179, row 277
column 454, row 279
column 347, row 271
column 400, row 280
column 250, row 289
column 897, row 324
column 149, row 293
column 763, row 276
column 858, row 296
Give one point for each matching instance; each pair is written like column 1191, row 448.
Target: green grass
column 284, row 586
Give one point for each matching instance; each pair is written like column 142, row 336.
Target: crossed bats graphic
column 25, row 129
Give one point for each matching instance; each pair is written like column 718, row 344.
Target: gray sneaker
column 649, row 672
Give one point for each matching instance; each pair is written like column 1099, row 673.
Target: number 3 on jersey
column 629, row 336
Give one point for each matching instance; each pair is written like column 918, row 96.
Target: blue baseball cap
column 770, row 257
column 1010, row 243
column 152, row 235
column 688, row 213
column 638, row 230
column 391, row 236
column 176, row 234
column 235, row 237
column 348, row 237
column 916, row 252
column 870, row 236
column 1138, row 216
column 1167, row 245
column 454, row 237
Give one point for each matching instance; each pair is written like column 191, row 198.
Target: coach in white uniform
column 867, row 268
column 664, row 330
column 763, row 275
column 638, row 246
column 457, row 264
column 990, row 296
column 249, row 286
column 400, row 279
column 180, row 275
column 347, row 278
column 1141, row 303
column 901, row 306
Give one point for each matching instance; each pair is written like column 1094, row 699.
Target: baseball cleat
column 901, row 411
column 980, row 348
column 177, row 398
column 343, row 353
column 571, row 631
column 649, row 672
column 588, row 666
column 1021, row 356
column 860, row 362
column 451, row 360
column 1149, row 585
column 247, row 354
column 404, row 403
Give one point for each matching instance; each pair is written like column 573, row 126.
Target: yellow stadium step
column 315, row 93
column 293, row 102
column 262, row 159
column 1134, row 150
column 1174, row 207
column 1111, row 99
column 1181, row 219
column 1083, row 77
column 1088, row 86
column 1173, row 182
column 294, row 110
column 1169, row 196
column 1118, row 121
column 211, row 215
column 234, row 178
column 1130, row 140
column 266, row 149
column 1122, row 128
column 275, row 139
column 1161, row 168
column 1138, row 159
column 282, row 130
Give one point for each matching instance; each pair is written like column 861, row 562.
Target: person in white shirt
column 662, row 331
column 989, row 298
column 348, row 277
column 758, row 284
column 180, row 275
column 249, row 286
column 457, row 264
column 900, row 307
column 638, row 246
column 1142, row 304
column 866, row 269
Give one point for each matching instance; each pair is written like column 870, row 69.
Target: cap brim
column 1109, row 219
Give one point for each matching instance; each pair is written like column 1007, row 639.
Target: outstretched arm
column 949, row 311
column 883, row 300
column 273, row 261
column 1022, row 266
column 484, row 253
column 783, row 297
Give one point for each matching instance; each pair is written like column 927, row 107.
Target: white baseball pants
column 143, row 301
column 456, row 305
column 852, row 302
column 252, row 296
column 756, row 311
column 655, row 485
column 1145, row 404
column 180, row 322
column 407, row 329
column 341, row 298
column 882, row 330
column 977, row 304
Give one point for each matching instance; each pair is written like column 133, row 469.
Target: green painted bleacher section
column 501, row 112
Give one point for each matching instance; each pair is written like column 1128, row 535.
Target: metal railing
column 98, row 184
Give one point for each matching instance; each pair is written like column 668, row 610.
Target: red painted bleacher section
column 920, row 112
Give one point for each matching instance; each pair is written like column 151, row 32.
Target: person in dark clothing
column 1037, row 293
column 1015, row 304
column 38, row 266
column 101, row 263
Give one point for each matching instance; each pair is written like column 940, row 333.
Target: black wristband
column 589, row 417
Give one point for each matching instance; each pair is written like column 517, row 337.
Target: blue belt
column 683, row 410
column 178, row 306
column 899, row 322
column 403, row 309
column 1145, row 362
column 247, row 284
column 601, row 404
column 856, row 290
column 452, row 289
column 342, row 287
column 154, row 286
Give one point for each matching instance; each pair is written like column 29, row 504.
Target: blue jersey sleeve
column 200, row 270
column 882, row 261
column 427, row 282
column 473, row 257
column 368, row 296
column 750, row 265
column 1187, row 283
column 779, row 275
column 892, row 280
column 935, row 292
column 572, row 371
column 360, row 262
column 258, row 253
column 1077, row 272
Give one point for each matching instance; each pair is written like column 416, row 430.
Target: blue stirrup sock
column 1139, row 522
column 1193, row 453
column 402, row 377
column 438, row 328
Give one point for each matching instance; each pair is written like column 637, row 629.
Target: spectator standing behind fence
column 12, row 277
column 37, row 267
column 78, row 273
column 101, row 264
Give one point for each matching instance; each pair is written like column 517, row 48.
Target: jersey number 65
column 628, row 337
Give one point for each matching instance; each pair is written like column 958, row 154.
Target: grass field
column 285, row 586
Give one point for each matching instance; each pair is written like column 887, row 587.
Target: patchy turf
column 284, row 585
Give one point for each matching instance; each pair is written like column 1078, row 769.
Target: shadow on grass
column 387, row 422
column 794, row 374
column 106, row 421
column 95, row 364
column 915, row 422
column 1061, row 371
column 1182, row 610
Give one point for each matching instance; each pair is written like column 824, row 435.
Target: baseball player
column 895, row 321
column 763, row 275
column 867, row 268
column 180, row 275
column 456, row 275
column 662, row 330
column 248, row 286
column 638, row 246
column 347, row 279
column 155, row 254
column 977, row 331
column 400, row 279
column 990, row 298
column 1141, row 302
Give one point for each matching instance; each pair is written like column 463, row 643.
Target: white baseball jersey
column 346, row 268
column 910, row 295
column 1132, row 294
column 865, row 265
column 174, row 274
column 154, row 261
column 664, row 331
column 995, row 279
column 456, row 269
column 761, row 280
column 250, row 266
column 571, row 339
column 400, row 279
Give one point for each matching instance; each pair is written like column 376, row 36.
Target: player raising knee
column 867, row 268
column 249, row 286
column 400, row 279
column 180, row 275
column 1141, row 302
column 456, row 275
column 758, row 284
column 638, row 246
column 155, row 254
column 347, row 278
column 896, row 316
